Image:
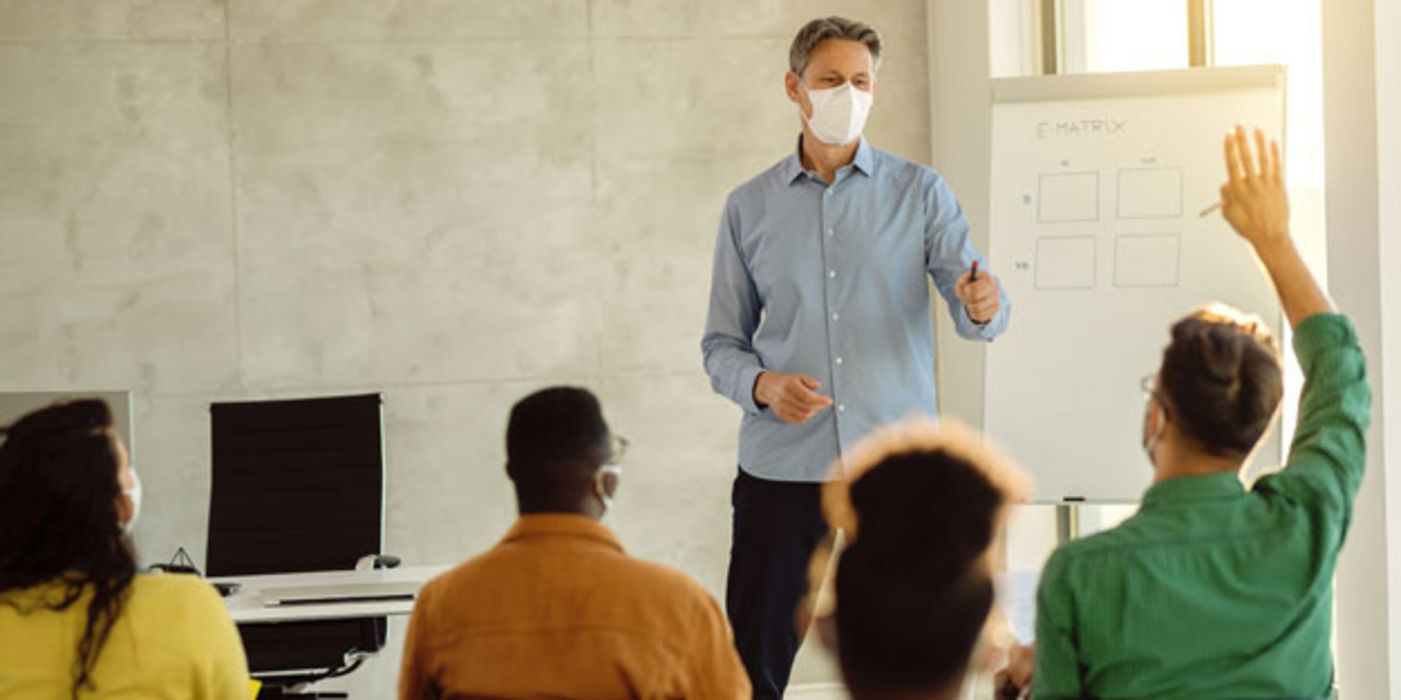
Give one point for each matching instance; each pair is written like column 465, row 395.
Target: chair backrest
column 297, row 485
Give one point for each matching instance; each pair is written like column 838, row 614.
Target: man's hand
column 1014, row 681
column 792, row 397
column 1254, row 200
column 1256, row 204
column 982, row 298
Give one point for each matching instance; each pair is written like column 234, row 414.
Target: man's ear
column 1160, row 415
column 790, row 86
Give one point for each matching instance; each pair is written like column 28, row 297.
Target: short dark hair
column 913, row 592
column 555, row 441
column 823, row 28
column 1221, row 380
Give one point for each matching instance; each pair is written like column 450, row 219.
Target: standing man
column 820, row 325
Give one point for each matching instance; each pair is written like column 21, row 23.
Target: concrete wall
column 453, row 203
column 14, row 405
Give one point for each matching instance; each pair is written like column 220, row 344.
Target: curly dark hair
column 58, row 520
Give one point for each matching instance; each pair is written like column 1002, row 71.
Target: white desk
column 348, row 594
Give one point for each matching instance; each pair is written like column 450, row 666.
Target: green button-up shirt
column 1213, row 591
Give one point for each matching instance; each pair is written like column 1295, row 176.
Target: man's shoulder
column 664, row 580
column 480, row 564
column 899, row 164
column 1123, row 541
column 629, row 572
column 761, row 184
column 891, row 166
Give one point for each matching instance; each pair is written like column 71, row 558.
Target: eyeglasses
column 1149, row 385
column 617, row 449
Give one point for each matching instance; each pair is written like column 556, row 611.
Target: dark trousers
column 777, row 526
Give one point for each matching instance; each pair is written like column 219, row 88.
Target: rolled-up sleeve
column 948, row 253
column 1329, row 452
column 726, row 347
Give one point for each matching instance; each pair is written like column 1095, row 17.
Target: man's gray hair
column 823, row 28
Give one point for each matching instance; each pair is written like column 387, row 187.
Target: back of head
column 914, row 584
column 1221, row 380
column 58, row 515
column 555, row 441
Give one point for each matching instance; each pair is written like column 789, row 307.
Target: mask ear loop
column 1151, row 441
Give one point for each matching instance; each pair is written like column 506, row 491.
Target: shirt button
column 830, row 231
column 839, row 360
column 836, row 317
column 841, row 407
column 832, row 274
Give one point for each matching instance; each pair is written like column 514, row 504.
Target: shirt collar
column 563, row 525
column 1189, row 489
column 865, row 160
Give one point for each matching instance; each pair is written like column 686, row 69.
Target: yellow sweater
column 174, row 639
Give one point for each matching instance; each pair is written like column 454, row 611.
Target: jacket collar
column 568, row 525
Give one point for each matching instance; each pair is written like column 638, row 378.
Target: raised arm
column 1256, row 204
column 1329, row 452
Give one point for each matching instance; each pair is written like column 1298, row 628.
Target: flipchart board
column 1097, row 186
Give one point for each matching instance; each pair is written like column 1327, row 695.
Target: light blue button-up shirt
column 830, row 281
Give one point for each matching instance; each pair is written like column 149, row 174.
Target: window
column 1123, row 35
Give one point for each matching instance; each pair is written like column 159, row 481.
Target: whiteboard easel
column 1097, row 181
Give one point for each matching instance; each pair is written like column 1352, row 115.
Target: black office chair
column 299, row 486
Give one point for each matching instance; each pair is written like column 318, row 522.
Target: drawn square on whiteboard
column 1065, row 197
column 1150, row 193
column 1147, row 261
column 1066, row 263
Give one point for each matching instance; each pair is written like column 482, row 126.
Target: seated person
column 76, row 619
column 1213, row 590
column 557, row 609
column 921, row 506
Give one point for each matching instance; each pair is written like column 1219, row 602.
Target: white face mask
column 838, row 114
column 600, row 485
column 134, row 493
